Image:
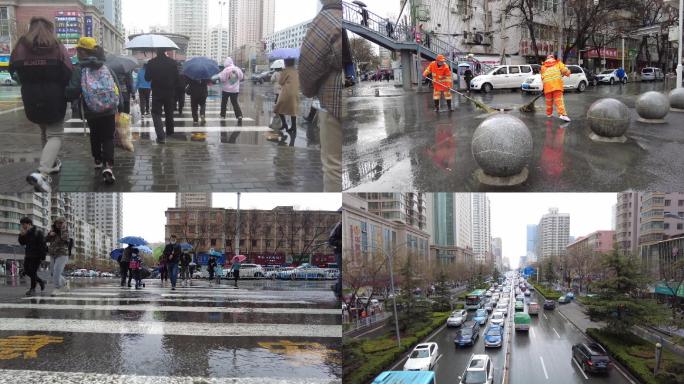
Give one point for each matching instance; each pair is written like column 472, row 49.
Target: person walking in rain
column 124, row 263
column 58, row 238
column 162, row 72
column 143, row 86
column 33, row 240
column 236, row 270
column 179, row 91
column 288, row 101
column 230, row 77
column 211, row 268
column 552, row 72
column 323, row 43
column 442, row 81
column 127, row 89
column 172, row 251
column 467, row 76
column 163, row 271
column 43, row 68
column 185, row 260
column 100, row 93
column 199, row 92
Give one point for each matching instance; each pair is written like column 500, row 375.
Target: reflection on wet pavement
column 398, row 143
column 216, row 333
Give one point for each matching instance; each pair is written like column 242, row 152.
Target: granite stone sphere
column 677, row 98
column 652, row 105
column 608, row 117
column 502, row 145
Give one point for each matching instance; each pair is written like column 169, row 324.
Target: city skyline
column 143, row 15
column 155, row 206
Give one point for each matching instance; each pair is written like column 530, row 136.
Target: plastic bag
column 122, row 136
column 276, row 123
column 136, row 115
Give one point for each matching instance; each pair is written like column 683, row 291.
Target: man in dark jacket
column 179, row 92
column 163, row 73
column 42, row 66
column 33, row 240
column 172, row 252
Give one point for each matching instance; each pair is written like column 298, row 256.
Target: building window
column 213, row 242
column 666, row 226
column 680, row 226
column 667, row 203
column 254, row 243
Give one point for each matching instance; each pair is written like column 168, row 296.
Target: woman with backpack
column 42, row 66
column 58, row 249
column 100, row 93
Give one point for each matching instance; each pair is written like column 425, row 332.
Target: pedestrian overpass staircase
column 374, row 29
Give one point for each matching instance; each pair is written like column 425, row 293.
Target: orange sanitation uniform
column 552, row 72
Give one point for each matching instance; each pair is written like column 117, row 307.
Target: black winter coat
column 34, row 241
column 163, row 73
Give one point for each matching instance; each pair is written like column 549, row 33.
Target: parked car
column 479, row 370
column 549, row 304
column 610, row 76
column 247, row 271
column 652, row 74
column 305, row 271
column 591, row 357
column 577, row 81
column 522, row 321
column 468, row 334
column 533, row 308
column 493, row 336
column 481, row 316
column 6, row 79
column 422, row 358
column 263, row 77
column 502, row 77
column 457, row 318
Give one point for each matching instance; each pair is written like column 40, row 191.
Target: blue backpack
column 99, row 88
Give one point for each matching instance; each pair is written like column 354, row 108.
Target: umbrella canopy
column 278, row 64
column 144, row 249
column 151, row 42
column 200, row 68
column 359, row 3
column 284, row 53
column 185, row 246
column 464, row 65
column 116, row 254
column 121, row 64
column 239, row 258
column 133, row 240
column 215, row 253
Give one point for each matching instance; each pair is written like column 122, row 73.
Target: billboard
column 88, row 26
column 68, row 26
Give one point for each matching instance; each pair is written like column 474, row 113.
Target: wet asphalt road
column 540, row 357
column 246, row 156
column 396, row 142
column 264, row 331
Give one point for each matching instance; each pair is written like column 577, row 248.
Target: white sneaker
column 40, row 182
column 55, row 292
column 108, row 176
column 564, row 117
column 68, row 285
column 56, row 167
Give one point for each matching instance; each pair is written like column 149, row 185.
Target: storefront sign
column 89, row 26
column 605, row 53
column 68, row 26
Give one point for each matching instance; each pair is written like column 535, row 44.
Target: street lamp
column 679, row 49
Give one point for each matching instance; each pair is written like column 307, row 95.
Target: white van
column 652, row 74
column 503, row 77
column 577, row 81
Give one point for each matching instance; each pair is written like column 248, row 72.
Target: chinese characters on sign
column 68, row 26
column 89, row 26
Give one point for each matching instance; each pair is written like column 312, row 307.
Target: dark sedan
column 468, row 334
column 549, row 304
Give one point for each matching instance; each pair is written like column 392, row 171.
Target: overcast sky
column 145, row 13
column 511, row 212
column 143, row 213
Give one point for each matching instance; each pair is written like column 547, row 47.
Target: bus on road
column 475, row 299
column 405, row 377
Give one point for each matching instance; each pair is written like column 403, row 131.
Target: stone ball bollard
column 652, row 107
column 502, row 147
column 677, row 100
column 609, row 120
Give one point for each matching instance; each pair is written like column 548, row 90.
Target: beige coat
column 288, row 101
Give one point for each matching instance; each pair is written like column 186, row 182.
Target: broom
column 478, row 103
column 529, row 107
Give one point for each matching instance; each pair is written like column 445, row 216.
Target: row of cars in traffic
column 527, row 77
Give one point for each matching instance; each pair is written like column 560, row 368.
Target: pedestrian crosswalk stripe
column 39, row 377
column 167, row 293
column 171, row 328
column 171, row 308
column 245, row 119
column 199, row 129
column 153, row 299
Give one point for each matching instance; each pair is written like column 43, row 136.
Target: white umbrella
column 278, row 64
column 151, row 42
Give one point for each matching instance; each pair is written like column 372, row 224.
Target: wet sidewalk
column 231, row 156
column 394, row 141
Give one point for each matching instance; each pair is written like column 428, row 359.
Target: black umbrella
column 121, row 64
column 359, row 3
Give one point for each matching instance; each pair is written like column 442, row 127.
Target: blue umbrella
column 200, row 68
column 133, row 240
column 215, row 253
column 116, row 254
column 144, row 249
column 284, row 53
column 185, row 246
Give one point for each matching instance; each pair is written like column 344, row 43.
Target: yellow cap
column 88, row 43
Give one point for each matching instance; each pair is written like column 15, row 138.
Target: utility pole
column 562, row 26
column 220, row 32
column 679, row 49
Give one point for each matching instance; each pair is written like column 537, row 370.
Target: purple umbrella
column 284, row 53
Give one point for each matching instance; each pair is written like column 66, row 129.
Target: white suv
column 610, row 76
column 577, row 81
column 503, row 77
column 479, row 370
column 652, row 74
column 248, row 270
column 422, row 358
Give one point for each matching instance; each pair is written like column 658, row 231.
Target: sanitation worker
column 552, row 72
column 441, row 77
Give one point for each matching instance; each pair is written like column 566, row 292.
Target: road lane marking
column 545, row 316
column 172, row 308
column 152, row 327
column 29, row 376
column 532, row 332
column 580, row 368
column 11, row 110
column 25, row 346
column 554, row 329
column 544, row 367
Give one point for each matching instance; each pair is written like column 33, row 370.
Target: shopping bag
column 122, row 135
column 136, row 115
column 276, row 123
